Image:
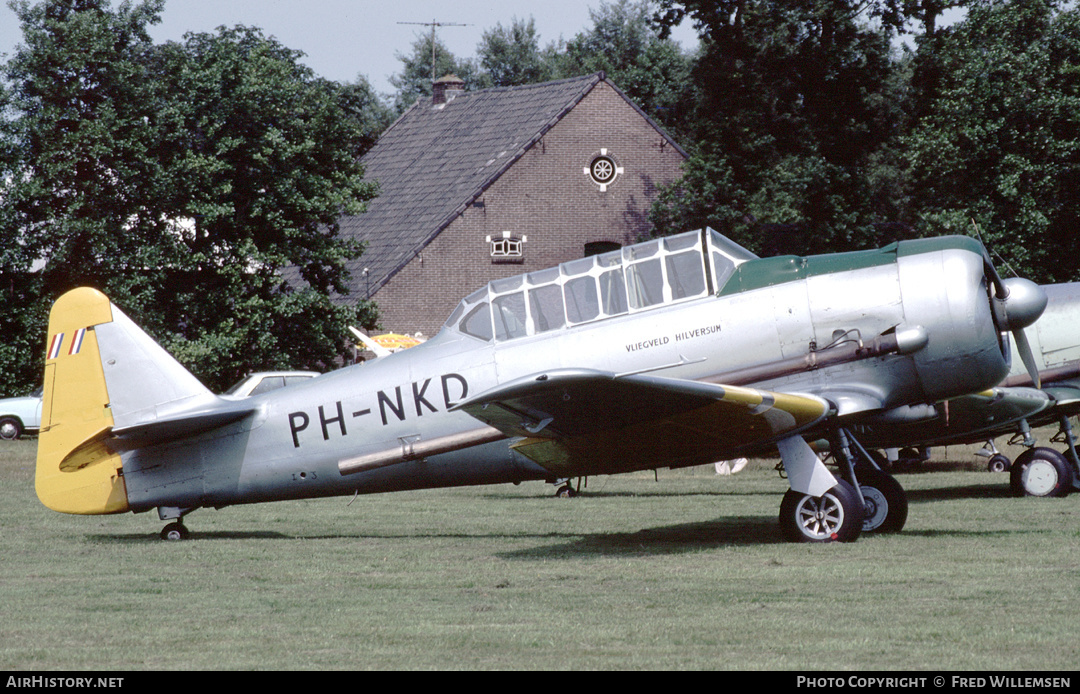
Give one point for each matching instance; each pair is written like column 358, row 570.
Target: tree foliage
column 622, row 41
column 187, row 179
column 629, row 47
column 184, row 180
column 813, row 134
column 1000, row 143
column 417, row 72
column 793, row 103
column 512, row 56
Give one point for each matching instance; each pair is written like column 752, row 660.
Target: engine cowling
column 948, row 289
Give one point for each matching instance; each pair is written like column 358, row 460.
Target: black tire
column 998, row 463
column 10, row 428
column 174, row 532
column 886, row 502
column 565, row 492
column 1041, row 472
column 835, row 516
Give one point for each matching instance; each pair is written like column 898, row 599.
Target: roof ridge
column 590, row 77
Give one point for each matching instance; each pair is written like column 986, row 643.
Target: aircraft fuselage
column 737, row 316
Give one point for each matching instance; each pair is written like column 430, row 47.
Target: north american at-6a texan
column 674, row 352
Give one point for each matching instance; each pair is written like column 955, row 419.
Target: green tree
column 368, row 111
column 186, row 181
column 511, row 56
column 77, row 133
column 262, row 160
column 628, row 46
column 793, row 103
column 415, row 80
column 23, row 340
column 1000, row 141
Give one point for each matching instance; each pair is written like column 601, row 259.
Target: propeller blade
column 1016, row 303
column 1026, row 356
column 1024, row 302
column 1001, row 291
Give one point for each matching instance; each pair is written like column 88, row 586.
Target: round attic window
column 603, row 169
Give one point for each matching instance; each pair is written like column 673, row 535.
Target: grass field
column 685, row 572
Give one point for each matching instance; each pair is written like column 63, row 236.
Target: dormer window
column 507, row 248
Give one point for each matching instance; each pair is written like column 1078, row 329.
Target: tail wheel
column 174, row 532
column 886, row 502
column 835, row 516
column 1041, row 472
column 998, row 463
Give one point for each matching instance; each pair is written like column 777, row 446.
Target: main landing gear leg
column 1066, row 436
column 176, row 530
column 818, row 507
column 883, row 498
column 866, row 494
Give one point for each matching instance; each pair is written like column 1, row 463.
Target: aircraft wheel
column 174, row 532
column 10, row 428
column 565, row 492
column 998, row 463
column 1041, row 472
column 886, row 502
column 835, row 516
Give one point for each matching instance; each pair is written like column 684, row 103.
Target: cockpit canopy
column 632, row 279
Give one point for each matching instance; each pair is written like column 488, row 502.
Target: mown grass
column 685, row 572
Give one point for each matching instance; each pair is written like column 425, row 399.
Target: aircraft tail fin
column 101, row 373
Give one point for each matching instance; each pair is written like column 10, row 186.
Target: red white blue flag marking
column 76, row 341
column 54, row 346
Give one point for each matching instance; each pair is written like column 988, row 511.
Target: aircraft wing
column 1065, row 393
column 577, row 421
column 966, row 419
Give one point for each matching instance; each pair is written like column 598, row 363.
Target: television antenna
column 433, row 23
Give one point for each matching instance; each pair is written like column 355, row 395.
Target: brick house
column 475, row 186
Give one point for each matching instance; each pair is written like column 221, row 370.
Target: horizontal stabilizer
column 181, row 424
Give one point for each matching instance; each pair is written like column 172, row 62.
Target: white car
column 20, row 416
column 265, row 381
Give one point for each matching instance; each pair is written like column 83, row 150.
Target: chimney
column 445, row 89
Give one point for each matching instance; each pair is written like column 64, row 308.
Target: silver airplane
column 1013, row 408
column 674, row 352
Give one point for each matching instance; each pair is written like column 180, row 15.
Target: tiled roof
column 436, row 160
